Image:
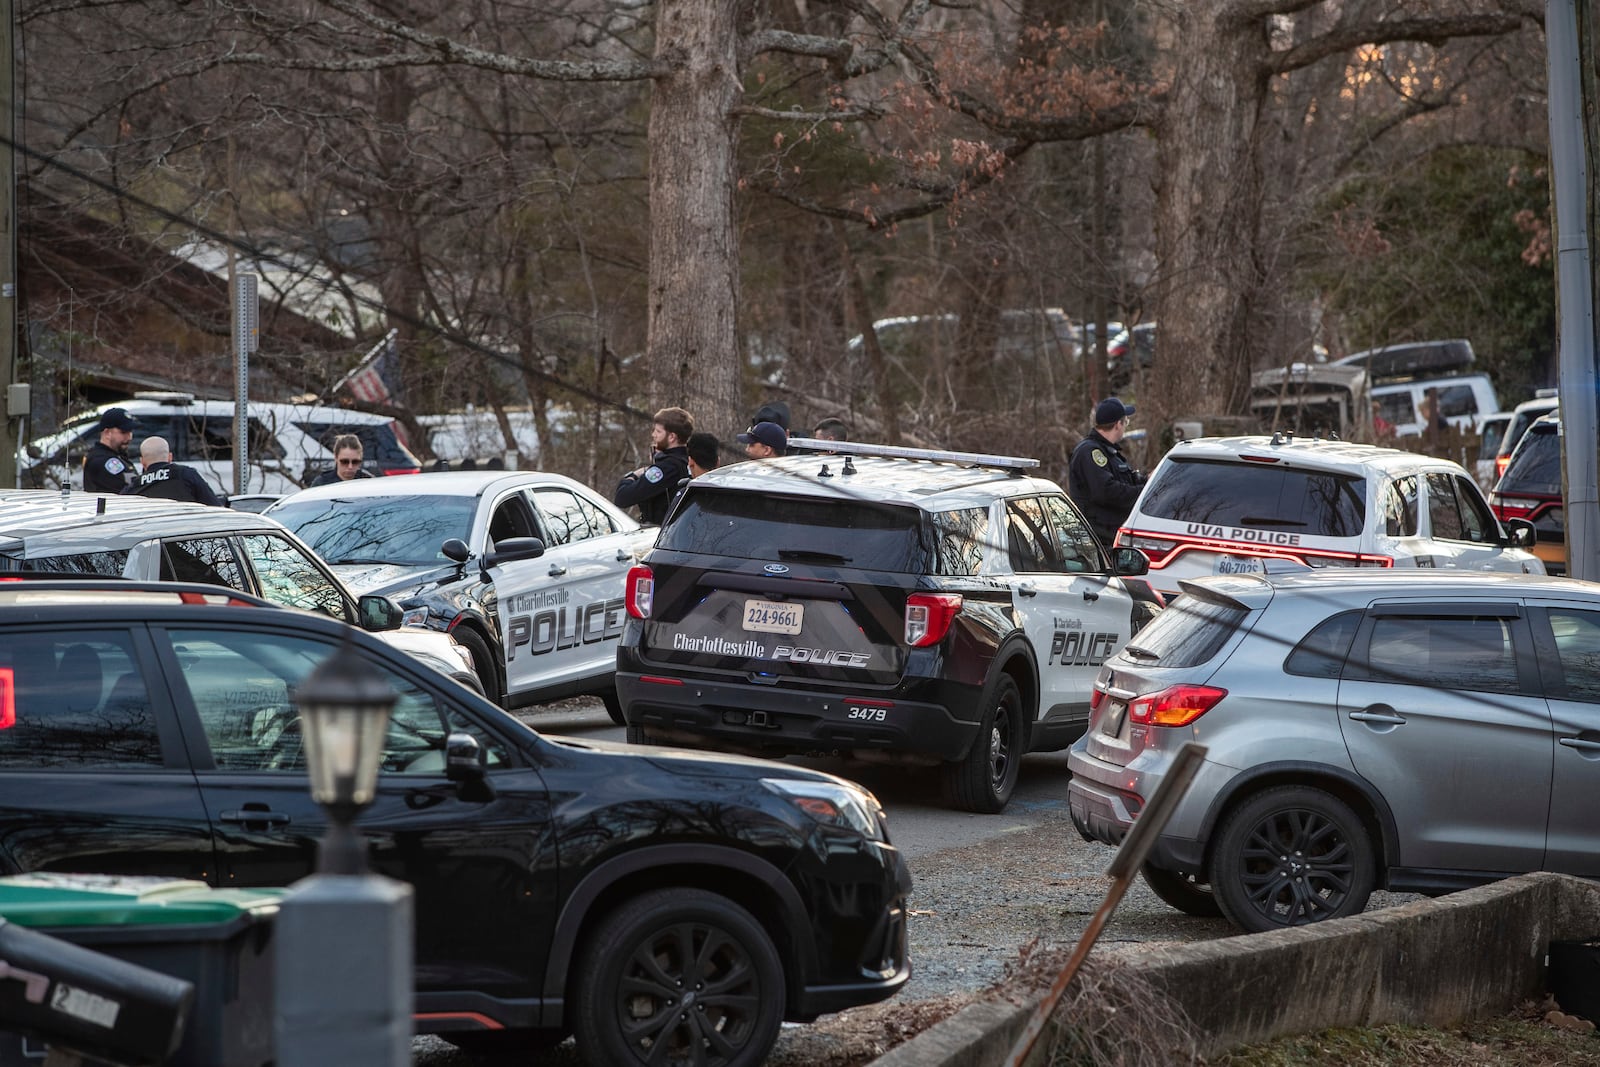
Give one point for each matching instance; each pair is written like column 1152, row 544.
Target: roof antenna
column 824, row 472
column 100, row 506
column 849, row 468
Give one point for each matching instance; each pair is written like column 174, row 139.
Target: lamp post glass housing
column 344, row 713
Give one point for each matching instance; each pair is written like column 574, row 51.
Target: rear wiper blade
column 1267, row 520
column 811, row 554
column 1139, row 653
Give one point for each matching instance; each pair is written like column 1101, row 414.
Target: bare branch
column 865, row 112
column 1434, row 31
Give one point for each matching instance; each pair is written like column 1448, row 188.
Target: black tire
column 1183, row 891
column 985, row 779
column 683, row 967
column 635, row 735
column 1291, row 856
column 482, row 662
column 613, row 705
column 507, row 1046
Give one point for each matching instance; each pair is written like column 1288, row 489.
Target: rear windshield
column 1226, row 493
column 379, row 445
column 108, row 563
column 1536, row 467
column 1187, row 633
column 847, row 533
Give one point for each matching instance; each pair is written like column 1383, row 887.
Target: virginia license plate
column 771, row 617
column 1238, row 565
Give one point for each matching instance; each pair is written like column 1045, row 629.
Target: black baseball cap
column 117, row 419
column 768, row 433
column 1111, row 410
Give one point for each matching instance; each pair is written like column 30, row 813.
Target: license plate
column 1111, row 725
column 1238, row 565
column 771, row 617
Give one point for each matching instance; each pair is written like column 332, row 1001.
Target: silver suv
column 1416, row 731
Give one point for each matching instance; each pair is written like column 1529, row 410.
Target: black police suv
column 883, row 603
column 666, row 907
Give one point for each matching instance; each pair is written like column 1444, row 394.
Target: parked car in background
column 1489, row 438
column 664, row 907
column 1530, row 490
column 525, row 569
column 1130, row 353
column 1231, row 505
column 1403, row 375
column 149, row 539
column 893, row 604
column 290, row 444
column 256, row 502
column 1411, row 731
column 1522, row 417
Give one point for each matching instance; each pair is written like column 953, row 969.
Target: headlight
column 832, row 803
column 414, row 617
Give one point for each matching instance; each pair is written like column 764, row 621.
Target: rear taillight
column 1156, row 548
column 1513, row 507
column 928, row 617
column 1311, row 559
column 640, row 592
column 8, row 698
column 1501, row 463
column 403, row 470
column 1177, row 705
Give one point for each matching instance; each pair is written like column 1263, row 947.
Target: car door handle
column 1585, row 747
column 271, row 818
column 1090, row 597
column 557, row 570
column 1027, row 589
column 623, row 555
column 1380, row 714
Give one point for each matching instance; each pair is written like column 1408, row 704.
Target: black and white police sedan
column 525, row 569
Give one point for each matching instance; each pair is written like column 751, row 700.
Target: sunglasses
column 349, row 463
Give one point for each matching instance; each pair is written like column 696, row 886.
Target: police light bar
column 857, row 448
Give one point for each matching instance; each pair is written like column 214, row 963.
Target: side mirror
column 379, row 613
column 513, row 549
column 1129, row 562
column 464, row 765
column 456, row 550
column 1523, row 533
column 34, row 452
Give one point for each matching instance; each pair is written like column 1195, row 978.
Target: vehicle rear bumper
column 782, row 719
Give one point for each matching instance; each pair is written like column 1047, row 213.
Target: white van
column 1402, row 375
column 289, row 443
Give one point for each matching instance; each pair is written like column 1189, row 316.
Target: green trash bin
column 219, row 939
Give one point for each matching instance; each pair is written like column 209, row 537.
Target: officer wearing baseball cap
column 1100, row 480
column 764, row 440
column 107, row 468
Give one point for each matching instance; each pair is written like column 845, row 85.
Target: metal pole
column 11, row 422
column 1574, row 289
column 244, row 342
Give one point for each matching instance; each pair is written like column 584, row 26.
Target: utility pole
column 14, row 412
column 1568, row 29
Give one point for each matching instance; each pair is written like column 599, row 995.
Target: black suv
column 1531, row 489
column 148, row 728
column 888, row 604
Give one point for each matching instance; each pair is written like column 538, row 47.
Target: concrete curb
column 1435, row 962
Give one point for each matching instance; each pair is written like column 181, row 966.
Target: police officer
column 107, row 468
column 168, row 480
column 653, row 486
column 1100, row 481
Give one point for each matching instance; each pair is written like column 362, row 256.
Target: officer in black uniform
column 1100, row 480
column 653, row 486
column 107, row 468
column 168, row 480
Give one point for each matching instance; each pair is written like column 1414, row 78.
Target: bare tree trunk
column 692, row 346
column 861, row 309
column 1208, row 203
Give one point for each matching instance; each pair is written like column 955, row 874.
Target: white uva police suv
column 890, row 604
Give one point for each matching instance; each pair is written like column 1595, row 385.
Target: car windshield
column 379, row 529
column 1225, row 493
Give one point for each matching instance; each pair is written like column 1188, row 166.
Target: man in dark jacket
column 653, row 486
column 168, row 480
column 107, row 468
column 1100, row 480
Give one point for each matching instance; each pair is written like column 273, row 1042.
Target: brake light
column 1177, row 705
column 8, row 698
column 928, row 617
column 1155, row 548
column 1514, row 507
column 1501, row 463
column 640, row 592
column 1096, row 698
column 403, row 470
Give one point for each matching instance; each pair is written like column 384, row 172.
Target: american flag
column 365, row 380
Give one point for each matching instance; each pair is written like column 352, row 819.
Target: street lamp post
column 343, row 939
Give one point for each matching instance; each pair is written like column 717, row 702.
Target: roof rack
column 971, row 459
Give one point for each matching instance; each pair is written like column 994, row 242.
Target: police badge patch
column 1099, row 458
column 653, row 474
column 115, row 466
